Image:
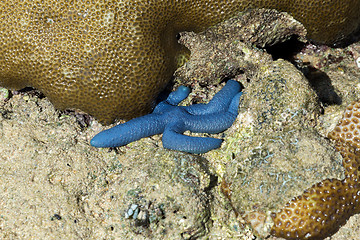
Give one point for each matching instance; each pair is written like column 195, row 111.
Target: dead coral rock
column 227, row 49
column 260, row 27
column 150, row 192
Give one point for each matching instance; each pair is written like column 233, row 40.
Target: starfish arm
column 234, row 104
column 215, row 122
column 220, row 102
column 172, row 100
column 130, row 131
column 177, row 96
column 175, row 140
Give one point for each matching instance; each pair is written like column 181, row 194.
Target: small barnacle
column 358, row 62
column 132, row 212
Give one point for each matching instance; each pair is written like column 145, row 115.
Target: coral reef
column 55, row 185
column 112, row 59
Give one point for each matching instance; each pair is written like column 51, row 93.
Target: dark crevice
column 31, row 92
column 321, row 83
column 318, row 80
column 286, row 50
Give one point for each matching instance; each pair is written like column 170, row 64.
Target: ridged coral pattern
column 327, row 205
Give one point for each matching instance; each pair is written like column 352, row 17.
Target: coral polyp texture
column 327, row 205
column 172, row 120
column 112, row 58
column 348, row 129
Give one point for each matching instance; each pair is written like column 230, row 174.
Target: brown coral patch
column 319, row 212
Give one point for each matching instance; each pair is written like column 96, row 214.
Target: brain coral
column 112, row 58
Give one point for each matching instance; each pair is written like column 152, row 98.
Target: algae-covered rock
column 280, row 153
column 157, row 194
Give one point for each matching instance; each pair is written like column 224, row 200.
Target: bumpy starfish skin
column 172, row 120
column 112, row 58
column 326, row 206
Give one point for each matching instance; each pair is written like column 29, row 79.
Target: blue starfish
column 172, row 120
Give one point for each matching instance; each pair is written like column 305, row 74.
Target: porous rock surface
column 55, row 185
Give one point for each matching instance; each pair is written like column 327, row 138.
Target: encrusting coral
column 327, row 205
column 111, row 59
